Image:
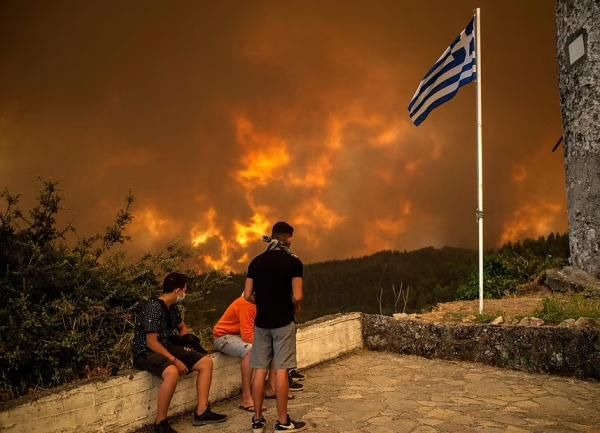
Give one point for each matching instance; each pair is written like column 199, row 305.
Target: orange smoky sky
column 224, row 117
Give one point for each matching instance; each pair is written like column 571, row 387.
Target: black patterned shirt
column 153, row 319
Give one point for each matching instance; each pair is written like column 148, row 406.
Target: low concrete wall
column 562, row 351
column 127, row 402
column 328, row 337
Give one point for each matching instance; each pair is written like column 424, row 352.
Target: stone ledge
column 561, row 351
column 127, row 402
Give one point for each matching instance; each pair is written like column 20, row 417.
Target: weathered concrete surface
column 118, row 404
column 128, row 402
column 580, row 106
column 564, row 351
column 376, row 392
column 328, row 337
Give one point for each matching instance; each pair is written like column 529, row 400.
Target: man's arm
column 249, row 290
column 297, row 284
column 297, row 290
column 156, row 346
column 247, row 317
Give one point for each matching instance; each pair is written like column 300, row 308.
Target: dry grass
column 468, row 311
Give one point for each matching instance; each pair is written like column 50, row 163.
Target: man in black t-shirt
column 274, row 283
column 154, row 351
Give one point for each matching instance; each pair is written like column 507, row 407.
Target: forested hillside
column 426, row 276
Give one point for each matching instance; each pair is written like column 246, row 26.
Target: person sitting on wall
column 234, row 336
column 163, row 346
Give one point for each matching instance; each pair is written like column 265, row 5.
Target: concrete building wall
column 578, row 51
column 127, row 402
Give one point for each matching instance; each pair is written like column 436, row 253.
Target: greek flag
column 455, row 68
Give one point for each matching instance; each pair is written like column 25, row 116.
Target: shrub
column 559, row 309
column 69, row 304
column 485, row 318
column 513, row 265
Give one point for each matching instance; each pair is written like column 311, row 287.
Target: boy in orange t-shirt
column 234, row 336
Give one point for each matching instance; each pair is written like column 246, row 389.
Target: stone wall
column 563, row 351
column 127, row 402
column 578, row 52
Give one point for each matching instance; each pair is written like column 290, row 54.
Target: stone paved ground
column 385, row 393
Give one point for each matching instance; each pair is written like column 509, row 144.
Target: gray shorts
column 278, row 345
column 232, row 345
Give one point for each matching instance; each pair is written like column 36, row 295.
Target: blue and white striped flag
column 455, row 68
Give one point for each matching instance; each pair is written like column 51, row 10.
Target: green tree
column 515, row 264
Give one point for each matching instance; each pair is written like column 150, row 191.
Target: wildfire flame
column 149, row 222
column 201, row 235
column 206, row 232
column 536, row 219
column 246, row 233
column 382, row 233
column 265, row 158
column 266, row 162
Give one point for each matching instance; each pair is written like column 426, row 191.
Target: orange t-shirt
column 238, row 319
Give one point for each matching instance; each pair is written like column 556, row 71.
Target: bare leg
column 246, row 380
column 258, row 390
column 170, row 377
column 272, row 384
column 282, row 389
column 204, row 367
column 270, row 391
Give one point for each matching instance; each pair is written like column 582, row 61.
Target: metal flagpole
column 479, row 156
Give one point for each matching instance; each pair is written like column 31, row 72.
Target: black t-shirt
column 153, row 319
column 272, row 273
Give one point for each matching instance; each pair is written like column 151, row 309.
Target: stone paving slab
column 385, row 393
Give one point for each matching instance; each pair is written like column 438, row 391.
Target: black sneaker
column 291, row 425
column 258, row 425
column 295, row 386
column 164, row 427
column 208, row 417
column 295, row 374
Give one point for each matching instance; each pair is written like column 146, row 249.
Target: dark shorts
column 156, row 364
